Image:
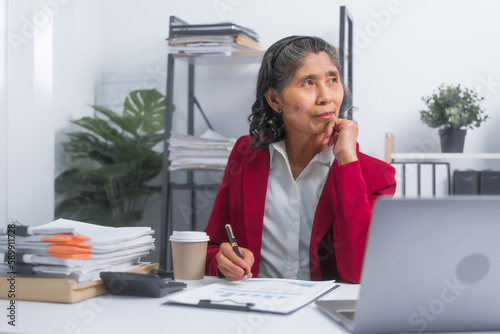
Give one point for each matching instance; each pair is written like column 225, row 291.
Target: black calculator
column 135, row 284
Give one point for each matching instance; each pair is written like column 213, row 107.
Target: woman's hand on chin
column 343, row 135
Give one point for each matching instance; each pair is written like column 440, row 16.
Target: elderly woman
column 297, row 191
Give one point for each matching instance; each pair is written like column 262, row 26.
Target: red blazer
column 341, row 220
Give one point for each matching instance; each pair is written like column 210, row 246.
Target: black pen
column 234, row 244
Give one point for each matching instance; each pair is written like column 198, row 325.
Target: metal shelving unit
column 239, row 58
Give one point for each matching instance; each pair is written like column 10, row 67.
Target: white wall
column 404, row 50
column 76, row 61
column 405, row 56
column 133, row 38
column 401, row 57
column 30, row 138
column 3, row 112
column 49, row 61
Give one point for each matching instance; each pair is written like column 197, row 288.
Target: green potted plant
column 124, row 164
column 453, row 110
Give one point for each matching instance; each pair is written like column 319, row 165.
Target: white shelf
column 418, row 156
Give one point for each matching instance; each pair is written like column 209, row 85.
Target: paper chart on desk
column 267, row 295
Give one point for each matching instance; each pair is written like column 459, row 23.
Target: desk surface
column 122, row 314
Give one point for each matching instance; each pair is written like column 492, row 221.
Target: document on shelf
column 210, row 151
column 281, row 296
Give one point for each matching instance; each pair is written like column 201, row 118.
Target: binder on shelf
column 423, row 179
column 400, row 181
column 426, row 180
column 287, row 295
column 411, row 180
column 442, row 179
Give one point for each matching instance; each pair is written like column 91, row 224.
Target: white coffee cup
column 189, row 252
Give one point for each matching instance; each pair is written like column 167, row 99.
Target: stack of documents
column 208, row 152
column 212, row 39
column 73, row 250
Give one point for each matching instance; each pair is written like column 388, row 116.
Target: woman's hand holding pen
column 343, row 135
column 231, row 265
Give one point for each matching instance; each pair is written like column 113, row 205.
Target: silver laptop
column 430, row 265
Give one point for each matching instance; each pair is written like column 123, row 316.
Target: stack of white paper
column 208, row 152
column 83, row 252
column 207, row 49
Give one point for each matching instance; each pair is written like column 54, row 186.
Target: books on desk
column 212, row 39
column 210, row 151
column 59, row 290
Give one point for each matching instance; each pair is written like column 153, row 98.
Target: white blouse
column 289, row 213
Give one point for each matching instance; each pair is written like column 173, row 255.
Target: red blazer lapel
column 323, row 221
column 255, row 177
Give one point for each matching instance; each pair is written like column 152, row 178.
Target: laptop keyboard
column 348, row 314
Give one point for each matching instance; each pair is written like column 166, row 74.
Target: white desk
column 121, row 314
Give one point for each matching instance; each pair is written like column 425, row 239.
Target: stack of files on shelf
column 74, row 250
column 422, row 179
column 210, row 151
column 212, row 39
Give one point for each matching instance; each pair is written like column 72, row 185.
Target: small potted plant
column 453, row 110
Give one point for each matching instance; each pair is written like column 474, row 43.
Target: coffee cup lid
column 189, row 236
